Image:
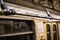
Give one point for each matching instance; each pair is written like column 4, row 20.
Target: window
column 5, row 26
column 48, row 32
column 16, row 30
column 55, row 32
column 22, row 26
column 12, row 26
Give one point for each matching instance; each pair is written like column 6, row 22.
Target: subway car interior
column 21, row 26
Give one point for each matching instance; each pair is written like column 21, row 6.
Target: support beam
column 51, row 2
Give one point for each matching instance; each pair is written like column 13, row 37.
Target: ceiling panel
column 28, row 3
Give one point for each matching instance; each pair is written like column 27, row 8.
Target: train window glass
column 48, row 27
column 22, row 26
column 54, row 32
column 12, row 26
column 15, row 26
column 54, row 27
column 5, row 26
column 1, row 29
column 16, row 30
column 48, row 32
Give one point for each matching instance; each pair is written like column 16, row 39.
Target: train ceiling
column 50, row 4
